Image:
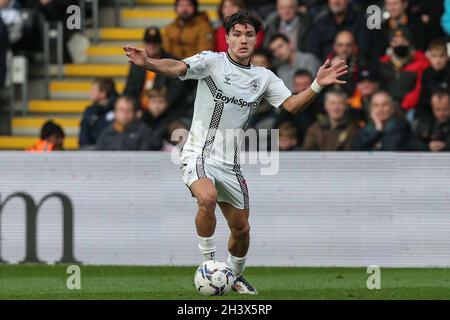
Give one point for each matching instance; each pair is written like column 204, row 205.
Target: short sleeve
column 199, row 66
column 276, row 92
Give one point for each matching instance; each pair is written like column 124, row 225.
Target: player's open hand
column 329, row 75
column 135, row 56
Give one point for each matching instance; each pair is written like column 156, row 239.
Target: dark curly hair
column 242, row 17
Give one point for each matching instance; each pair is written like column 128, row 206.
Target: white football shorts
column 227, row 178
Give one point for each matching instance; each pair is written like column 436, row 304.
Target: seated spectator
column 12, row 19
column 190, row 33
column 176, row 136
column 97, row 116
column 140, row 80
column 344, row 48
column 432, row 133
column 290, row 60
column 157, row 116
column 289, row 21
column 262, row 58
column 302, row 120
column 386, row 130
column 359, row 102
column 288, row 137
column 336, row 131
column 435, row 77
column 401, row 70
column 52, row 138
column 338, row 16
column 226, row 9
column 126, row 132
column 398, row 17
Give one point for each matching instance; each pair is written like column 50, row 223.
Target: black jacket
column 432, row 81
column 159, row 128
column 95, row 119
column 137, row 137
column 176, row 88
column 394, row 137
column 325, row 29
column 427, row 129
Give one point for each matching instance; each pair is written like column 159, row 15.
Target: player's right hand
column 135, row 55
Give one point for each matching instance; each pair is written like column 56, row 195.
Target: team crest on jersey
column 255, row 86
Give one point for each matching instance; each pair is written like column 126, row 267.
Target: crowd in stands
column 396, row 97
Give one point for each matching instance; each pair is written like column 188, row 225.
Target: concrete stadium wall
column 321, row 209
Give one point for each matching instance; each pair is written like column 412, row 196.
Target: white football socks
column 236, row 264
column 207, row 247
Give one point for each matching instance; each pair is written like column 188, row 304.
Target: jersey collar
column 238, row 64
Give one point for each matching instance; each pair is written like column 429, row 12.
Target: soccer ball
column 213, row 278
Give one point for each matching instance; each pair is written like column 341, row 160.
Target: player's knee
column 241, row 232
column 207, row 203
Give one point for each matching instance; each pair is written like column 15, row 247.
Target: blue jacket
column 95, row 119
column 394, row 137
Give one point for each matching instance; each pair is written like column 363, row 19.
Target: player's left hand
column 329, row 75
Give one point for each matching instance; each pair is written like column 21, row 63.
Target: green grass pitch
column 127, row 282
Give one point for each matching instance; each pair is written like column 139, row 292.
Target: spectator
column 288, row 137
column 4, row 45
column 398, row 17
column 337, row 17
column 99, row 115
column 291, row 60
column 344, row 48
column 289, row 21
column 366, row 86
column 12, row 19
column 140, row 80
column 336, row 131
column 436, row 77
column 51, row 139
column 386, row 130
column 125, row 133
column 303, row 120
column 190, row 33
column 401, row 70
column 262, row 58
column 226, row 9
column 432, row 133
column 156, row 116
column 177, row 133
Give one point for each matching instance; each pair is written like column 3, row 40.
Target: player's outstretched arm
column 168, row 67
column 325, row 76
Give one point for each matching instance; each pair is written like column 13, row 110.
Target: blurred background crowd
column 397, row 95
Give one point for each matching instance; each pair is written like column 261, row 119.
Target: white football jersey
column 227, row 94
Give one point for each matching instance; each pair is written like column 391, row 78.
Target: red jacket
column 418, row 64
column 221, row 44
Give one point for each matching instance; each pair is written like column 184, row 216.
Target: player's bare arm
column 168, row 67
column 326, row 76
